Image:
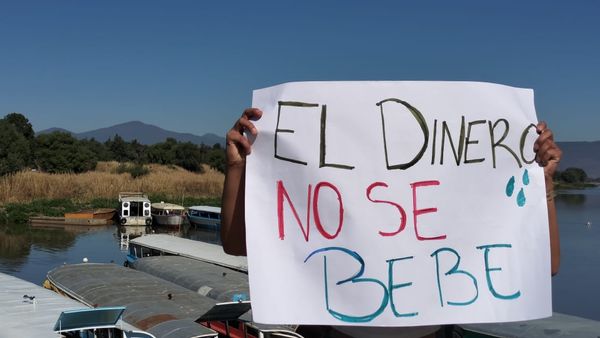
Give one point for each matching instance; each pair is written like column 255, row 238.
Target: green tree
column 22, row 124
column 23, row 127
column 163, row 153
column 188, row 156
column 97, row 148
column 14, row 149
column 137, row 152
column 118, row 148
column 217, row 159
column 573, row 175
column 60, row 152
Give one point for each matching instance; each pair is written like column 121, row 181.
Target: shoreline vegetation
column 31, row 193
column 575, row 186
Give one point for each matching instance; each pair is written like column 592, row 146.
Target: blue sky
column 191, row 66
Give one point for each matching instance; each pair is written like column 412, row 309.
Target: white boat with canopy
column 162, row 245
column 29, row 310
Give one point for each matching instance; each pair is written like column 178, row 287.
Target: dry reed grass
column 104, row 182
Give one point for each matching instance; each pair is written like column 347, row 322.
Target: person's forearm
column 553, row 228
column 233, row 225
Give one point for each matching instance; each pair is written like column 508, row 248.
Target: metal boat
column 29, row 310
column 163, row 245
column 154, row 305
column 204, row 216
column 134, row 209
column 224, row 285
column 167, row 214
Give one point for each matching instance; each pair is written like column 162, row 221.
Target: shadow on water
column 188, row 231
column 571, row 200
column 16, row 242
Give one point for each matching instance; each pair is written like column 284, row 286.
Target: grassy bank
column 30, row 193
column 574, row 186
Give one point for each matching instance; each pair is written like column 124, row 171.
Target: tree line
column 571, row 175
column 60, row 152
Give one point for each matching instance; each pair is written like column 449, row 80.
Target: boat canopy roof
column 134, row 199
column 167, row 206
column 133, row 196
column 150, row 301
column 205, row 252
column 29, row 310
column 205, row 208
column 106, row 317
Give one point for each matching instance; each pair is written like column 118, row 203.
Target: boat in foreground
column 162, row 245
column 96, row 322
column 224, row 285
column 29, row 310
column 154, row 305
column 203, row 216
column 167, row 214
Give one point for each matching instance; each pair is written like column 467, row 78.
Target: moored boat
column 154, row 305
column 163, row 245
column 95, row 322
column 84, row 218
column 101, row 213
column 224, row 285
column 29, row 310
column 213, row 281
column 167, row 214
column 204, row 216
column 134, row 209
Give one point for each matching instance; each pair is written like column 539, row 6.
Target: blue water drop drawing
column 521, row 198
column 510, row 186
column 526, row 177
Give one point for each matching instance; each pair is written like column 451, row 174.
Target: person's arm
column 233, row 223
column 548, row 156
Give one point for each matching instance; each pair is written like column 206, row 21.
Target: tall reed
column 171, row 181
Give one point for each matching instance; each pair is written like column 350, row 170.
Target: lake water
column 30, row 253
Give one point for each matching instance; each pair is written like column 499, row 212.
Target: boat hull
column 172, row 221
column 203, row 223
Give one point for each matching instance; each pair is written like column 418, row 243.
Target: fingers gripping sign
column 547, row 152
column 238, row 145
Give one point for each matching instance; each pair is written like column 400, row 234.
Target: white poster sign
column 396, row 204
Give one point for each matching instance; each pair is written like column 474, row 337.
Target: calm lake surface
column 30, row 253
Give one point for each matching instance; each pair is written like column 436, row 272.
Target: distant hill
column 143, row 133
column 584, row 155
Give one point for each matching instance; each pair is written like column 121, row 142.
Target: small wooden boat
column 102, row 213
column 167, row 214
column 86, row 218
column 204, row 216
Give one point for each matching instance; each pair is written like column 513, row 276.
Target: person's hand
column 238, row 146
column 547, row 153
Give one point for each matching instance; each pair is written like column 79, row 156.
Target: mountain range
column 144, row 133
column 582, row 155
